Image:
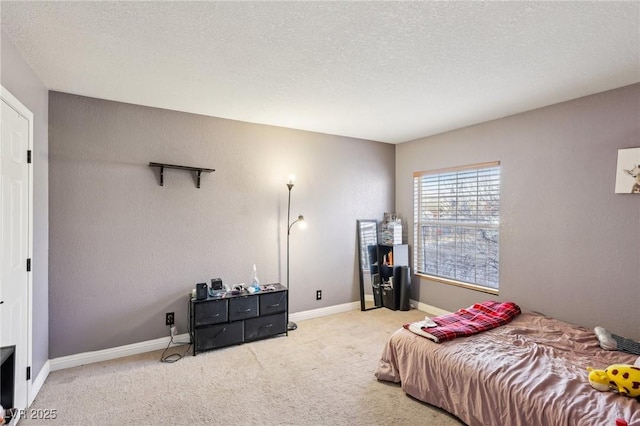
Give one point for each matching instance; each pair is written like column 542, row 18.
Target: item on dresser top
column 216, row 284
column 201, row 291
column 255, row 282
column 217, row 293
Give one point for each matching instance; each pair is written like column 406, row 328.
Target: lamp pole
column 292, row 325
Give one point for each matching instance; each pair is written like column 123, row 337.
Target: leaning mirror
column 370, row 292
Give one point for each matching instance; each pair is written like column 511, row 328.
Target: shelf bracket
column 198, row 170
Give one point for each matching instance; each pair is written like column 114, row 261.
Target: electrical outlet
column 318, row 294
column 170, row 318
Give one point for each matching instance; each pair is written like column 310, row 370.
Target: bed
column 530, row 371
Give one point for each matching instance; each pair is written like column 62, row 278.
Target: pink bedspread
column 472, row 320
column 531, row 371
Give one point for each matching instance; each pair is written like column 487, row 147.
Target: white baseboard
column 428, row 308
column 37, row 383
column 321, row 312
column 84, row 358
column 417, row 305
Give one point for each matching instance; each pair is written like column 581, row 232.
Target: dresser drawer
column 243, row 307
column 217, row 336
column 272, row 303
column 210, row 312
column 264, row 326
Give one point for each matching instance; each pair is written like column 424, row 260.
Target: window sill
column 469, row 286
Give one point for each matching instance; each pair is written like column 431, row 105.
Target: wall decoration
column 628, row 171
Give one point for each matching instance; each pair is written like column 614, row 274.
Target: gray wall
column 569, row 246
column 17, row 77
column 125, row 250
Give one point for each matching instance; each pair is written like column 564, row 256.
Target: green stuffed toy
column 621, row 378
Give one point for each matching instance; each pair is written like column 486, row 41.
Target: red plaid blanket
column 464, row 322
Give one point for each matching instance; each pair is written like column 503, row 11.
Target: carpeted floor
column 321, row 374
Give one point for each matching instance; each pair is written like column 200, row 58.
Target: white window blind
column 456, row 224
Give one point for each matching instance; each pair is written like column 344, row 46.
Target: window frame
column 419, row 223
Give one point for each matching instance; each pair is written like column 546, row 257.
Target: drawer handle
column 273, row 306
column 216, row 315
column 245, row 310
column 220, row 332
column 268, row 325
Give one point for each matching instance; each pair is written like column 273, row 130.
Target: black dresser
column 228, row 319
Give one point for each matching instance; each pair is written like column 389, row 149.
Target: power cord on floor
column 174, row 356
column 177, row 356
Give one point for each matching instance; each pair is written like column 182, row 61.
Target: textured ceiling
column 385, row 71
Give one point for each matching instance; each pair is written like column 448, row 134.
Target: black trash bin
column 388, row 297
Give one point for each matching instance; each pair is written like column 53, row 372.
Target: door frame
column 19, row 107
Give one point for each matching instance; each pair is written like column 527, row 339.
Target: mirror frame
column 359, row 223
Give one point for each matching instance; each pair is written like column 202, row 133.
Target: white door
column 14, row 248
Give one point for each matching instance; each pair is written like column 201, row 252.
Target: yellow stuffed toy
column 621, row 378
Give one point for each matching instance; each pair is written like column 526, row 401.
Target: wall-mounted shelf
column 163, row 166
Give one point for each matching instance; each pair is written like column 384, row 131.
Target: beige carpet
column 321, row 374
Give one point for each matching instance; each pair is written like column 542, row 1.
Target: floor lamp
column 292, row 325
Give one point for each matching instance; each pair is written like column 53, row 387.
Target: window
column 456, row 225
